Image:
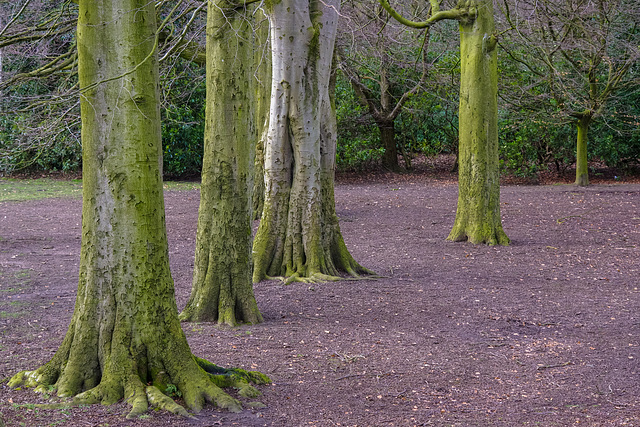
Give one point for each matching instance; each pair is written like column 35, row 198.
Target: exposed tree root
column 159, row 400
column 205, row 386
column 491, row 237
column 225, row 305
column 321, row 278
column 477, row 226
column 314, row 278
column 320, row 256
column 236, row 378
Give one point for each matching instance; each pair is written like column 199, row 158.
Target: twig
column 366, row 375
column 352, row 375
column 402, row 393
column 559, row 365
column 617, row 404
column 564, row 218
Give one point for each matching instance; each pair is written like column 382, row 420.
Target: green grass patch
column 22, row 276
column 17, row 190
column 14, row 281
column 181, row 185
column 30, row 406
column 18, row 303
column 10, row 315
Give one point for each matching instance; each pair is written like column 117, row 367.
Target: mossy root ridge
column 478, row 235
column 310, row 253
column 197, row 382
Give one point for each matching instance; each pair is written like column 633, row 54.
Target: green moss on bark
column 478, row 213
column 222, row 289
column 124, row 333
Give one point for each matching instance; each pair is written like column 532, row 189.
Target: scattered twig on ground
column 557, row 365
column 364, row 374
column 564, row 218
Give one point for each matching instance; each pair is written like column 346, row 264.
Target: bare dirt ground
column 543, row 332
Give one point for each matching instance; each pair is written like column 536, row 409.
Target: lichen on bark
column 124, row 339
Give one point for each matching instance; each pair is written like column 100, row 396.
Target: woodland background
column 386, row 75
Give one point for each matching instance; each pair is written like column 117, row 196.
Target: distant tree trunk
column 478, row 215
column 385, row 112
column 125, row 338
column 388, row 138
column 582, row 167
column 299, row 235
column 387, row 127
column 222, row 289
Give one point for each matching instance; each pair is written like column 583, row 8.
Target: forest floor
column 544, row 332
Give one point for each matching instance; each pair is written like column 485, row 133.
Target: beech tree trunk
column 478, row 214
column 125, row 338
column 257, row 195
column 222, row 289
column 299, row 235
column 582, row 166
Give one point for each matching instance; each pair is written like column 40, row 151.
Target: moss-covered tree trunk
column 222, row 289
column 299, row 236
column 257, row 195
column 478, row 214
column 582, row 167
column 125, row 338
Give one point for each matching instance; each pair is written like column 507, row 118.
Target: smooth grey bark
column 299, row 235
column 262, row 64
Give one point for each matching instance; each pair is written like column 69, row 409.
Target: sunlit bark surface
column 299, row 236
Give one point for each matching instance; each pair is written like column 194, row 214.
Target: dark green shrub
column 358, row 138
column 183, row 118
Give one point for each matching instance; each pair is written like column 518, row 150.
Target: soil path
column 544, row 331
